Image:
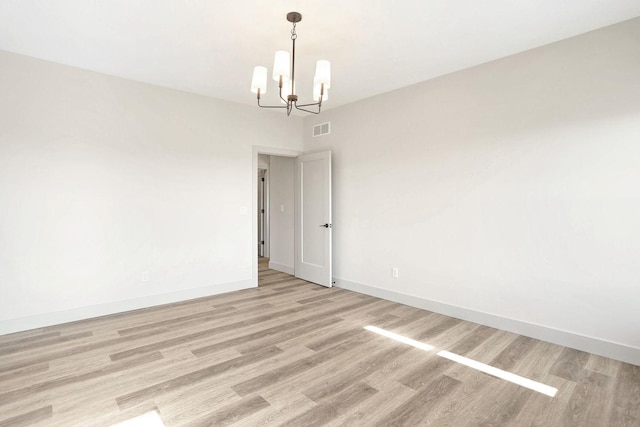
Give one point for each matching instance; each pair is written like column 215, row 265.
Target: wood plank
column 31, row 389
column 570, row 365
column 268, row 378
column 232, row 413
column 354, row 374
column 31, row 345
column 414, row 410
column 329, row 410
column 625, row 405
column 185, row 380
column 582, row 408
column 29, row 418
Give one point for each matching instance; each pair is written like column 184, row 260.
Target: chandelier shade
column 284, row 66
column 323, row 73
column 259, row 81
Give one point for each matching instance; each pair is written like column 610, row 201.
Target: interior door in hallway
column 262, row 212
column 313, row 226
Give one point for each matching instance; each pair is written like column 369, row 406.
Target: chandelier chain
column 293, row 32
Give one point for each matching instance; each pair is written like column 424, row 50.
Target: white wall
column 508, row 193
column 102, row 179
column 282, row 173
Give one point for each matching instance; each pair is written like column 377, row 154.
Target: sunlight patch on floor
column 150, row 419
column 399, row 338
column 487, row 369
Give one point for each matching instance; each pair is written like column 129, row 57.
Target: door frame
column 269, row 151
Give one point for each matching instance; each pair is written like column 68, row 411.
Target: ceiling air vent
column 322, row 129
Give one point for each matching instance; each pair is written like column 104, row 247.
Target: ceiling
column 210, row 47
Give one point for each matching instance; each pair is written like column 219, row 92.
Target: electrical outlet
column 145, row 276
column 394, row 272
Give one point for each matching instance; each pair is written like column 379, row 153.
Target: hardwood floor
column 297, row 354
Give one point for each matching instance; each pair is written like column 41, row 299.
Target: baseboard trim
column 58, row 317
column 593, row 345
column 281, row 267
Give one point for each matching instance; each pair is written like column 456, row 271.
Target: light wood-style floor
column 293, row 353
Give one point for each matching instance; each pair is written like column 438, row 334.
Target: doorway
column 293, row 214
column 275, row 226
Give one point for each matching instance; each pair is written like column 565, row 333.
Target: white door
column 313, row 218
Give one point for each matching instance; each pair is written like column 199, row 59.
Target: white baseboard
column 598, row 346
column 55, row 318
column 281, row 267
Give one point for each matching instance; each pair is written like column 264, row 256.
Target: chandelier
column 284, row 74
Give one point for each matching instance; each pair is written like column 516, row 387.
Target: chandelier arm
column 284, row 100
column 280, row 92
column 309, row 111
column 308, row 105
column 270, row 106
